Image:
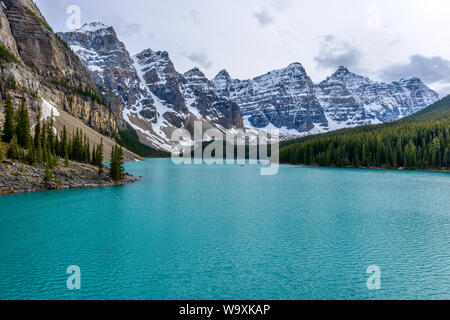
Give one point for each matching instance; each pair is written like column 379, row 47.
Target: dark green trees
column 2, row 155
column 9, row 125
column 97, row 157
column 13, row 150
column 47, row 147
column 117, row 171
column 406, row 144
column 23, row 126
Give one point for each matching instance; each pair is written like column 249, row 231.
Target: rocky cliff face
column 156, row 98
column 47, row 68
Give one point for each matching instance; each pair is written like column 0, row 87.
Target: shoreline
column 20, row 178
column 364, row 168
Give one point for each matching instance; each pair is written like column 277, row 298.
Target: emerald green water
column 225, row 232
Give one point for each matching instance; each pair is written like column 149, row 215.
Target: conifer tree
column 23, row 126
column 66, row 156
column 2, row 156
column 99, row 158
column 121, row 162
column 13, row 150
column 37, row 130
column 117, row 168
column 9, row 125
column 48, row 173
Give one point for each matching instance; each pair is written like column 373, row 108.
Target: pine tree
column 9, row 125
column 2, row 156
column 66, row 156
column 121, row 163
column 48, row 173
column 23, row 126
column 37, row 130
column 13, row 150
column 31, row 156
column 99, row 158
column 117, row 171
column 64, row 143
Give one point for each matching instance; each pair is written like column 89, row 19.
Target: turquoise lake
column 226, row 232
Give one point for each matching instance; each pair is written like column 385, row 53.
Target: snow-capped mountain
column 282, row 99
column 155, row 98
column 350, row 100
column 288, row 99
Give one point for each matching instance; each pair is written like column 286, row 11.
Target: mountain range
column 91, row 81
column 156, row 98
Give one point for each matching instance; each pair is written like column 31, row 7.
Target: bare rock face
column 47, row 67
column 6, row 37
column 41, row 50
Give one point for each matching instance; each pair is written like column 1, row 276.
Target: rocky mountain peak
column 223, row 74
column 297, row 66
column 157, row 66
column 343, row 73
column 94, row 27
column 195, row 72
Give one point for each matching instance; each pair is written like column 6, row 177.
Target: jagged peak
column 410, row 79
column 295, row 65
column 343, row 74
column 223, row 74
column 342, row 71
column 194, row 72
column 150, row 53
column 93, row 27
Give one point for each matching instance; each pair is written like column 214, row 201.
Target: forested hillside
column 421, row 141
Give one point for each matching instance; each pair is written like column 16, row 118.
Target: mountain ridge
column 285, row 99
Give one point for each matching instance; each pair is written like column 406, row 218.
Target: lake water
column 226, row 232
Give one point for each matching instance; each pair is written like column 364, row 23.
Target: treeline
column 46, row 146
column 421, row 143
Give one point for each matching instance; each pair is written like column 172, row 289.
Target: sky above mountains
column 384, row 39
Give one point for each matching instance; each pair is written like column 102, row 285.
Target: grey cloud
column 199, row 58
column 130, row 29
column 264, row 17
column 429, row 69
column 334, row 53
column 443, row 91
column 193, row 16
column 281, row 5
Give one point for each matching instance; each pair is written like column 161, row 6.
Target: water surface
column 226, row 232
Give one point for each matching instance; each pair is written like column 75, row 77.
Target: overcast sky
column 382, row 39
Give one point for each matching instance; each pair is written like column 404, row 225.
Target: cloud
column 199, row 58
column 264, row 17
column 130, row 29
column 334, row 53
column 374, row 20
column 442, row 89
column 193, row 16
column 428, row 69
column 281, row 5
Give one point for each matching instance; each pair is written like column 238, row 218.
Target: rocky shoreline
column 17, row 177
